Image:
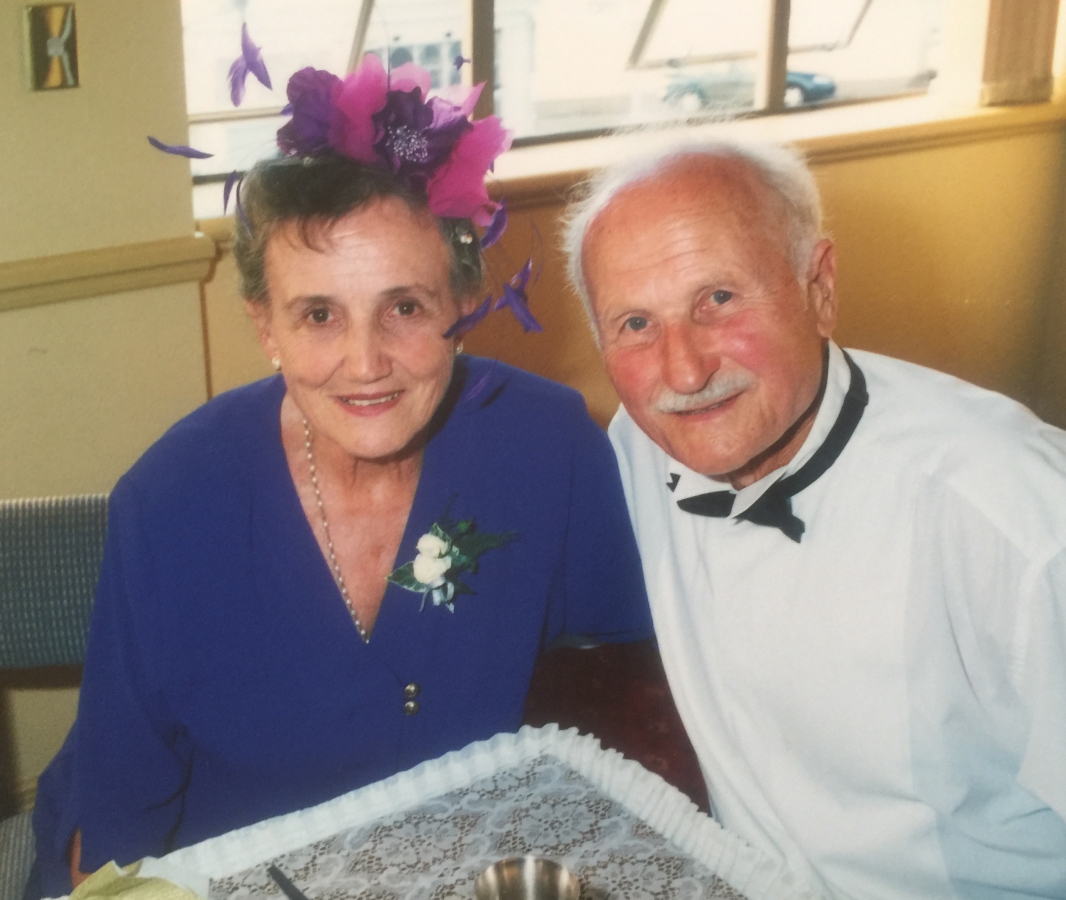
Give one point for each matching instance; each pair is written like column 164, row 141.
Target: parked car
column 735, row 86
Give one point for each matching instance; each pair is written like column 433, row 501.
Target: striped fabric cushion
column 50, row 552
column 16, row 855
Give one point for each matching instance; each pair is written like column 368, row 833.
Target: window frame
column 971, row 65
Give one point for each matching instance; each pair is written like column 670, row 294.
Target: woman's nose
column 366, row 356
column 687, row 362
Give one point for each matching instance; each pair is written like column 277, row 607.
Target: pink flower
column 408, row 77
column 353, row 131
column 457, row 188
column 465, row 98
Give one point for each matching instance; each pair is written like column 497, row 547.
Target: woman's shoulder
column 214, row 440
column 490, row 384
column 525, row 419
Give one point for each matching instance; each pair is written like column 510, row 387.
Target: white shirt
column 882, row 705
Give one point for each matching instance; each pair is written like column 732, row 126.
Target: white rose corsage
column 444, row 553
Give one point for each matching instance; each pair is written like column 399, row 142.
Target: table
column 424, row 834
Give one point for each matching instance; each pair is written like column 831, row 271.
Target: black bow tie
column 774, row 507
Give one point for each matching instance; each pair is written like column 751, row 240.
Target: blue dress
column 224, row 680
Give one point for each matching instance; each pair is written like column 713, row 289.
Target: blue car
column 736, row 87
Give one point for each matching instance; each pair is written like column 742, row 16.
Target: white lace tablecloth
column 426, row 833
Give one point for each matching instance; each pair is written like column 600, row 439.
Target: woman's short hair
column 317, row 191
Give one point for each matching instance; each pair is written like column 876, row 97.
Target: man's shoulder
column 917, row 408
column 979, row 445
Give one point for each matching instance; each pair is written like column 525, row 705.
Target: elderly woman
column 326, row 577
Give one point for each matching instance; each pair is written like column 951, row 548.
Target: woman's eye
column 407, row 307
column 636, row 323
column 721, row 297
column 319, row 315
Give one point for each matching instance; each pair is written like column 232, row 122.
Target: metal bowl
column 526, row 878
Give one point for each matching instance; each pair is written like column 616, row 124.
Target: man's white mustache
column 719, row 389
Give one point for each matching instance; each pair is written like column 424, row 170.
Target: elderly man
column 857, row 566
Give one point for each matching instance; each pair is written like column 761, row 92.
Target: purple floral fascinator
column 389, row 120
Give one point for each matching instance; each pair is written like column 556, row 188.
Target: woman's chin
column 373, row 441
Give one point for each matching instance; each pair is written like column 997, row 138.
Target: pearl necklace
column 338, row 576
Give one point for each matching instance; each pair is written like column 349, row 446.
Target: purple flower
column 178, row 149
column 250, row 60
column 310, row 93
column 416, row 137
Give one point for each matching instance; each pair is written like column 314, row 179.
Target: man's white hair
column 780, row 169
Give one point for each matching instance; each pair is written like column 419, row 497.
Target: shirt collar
column 838, row 379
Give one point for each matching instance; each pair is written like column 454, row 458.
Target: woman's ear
column 259, row 313
column 467, row 304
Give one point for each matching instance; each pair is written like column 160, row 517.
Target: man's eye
column 636, row 323
column 721, row 297
column 319, row 315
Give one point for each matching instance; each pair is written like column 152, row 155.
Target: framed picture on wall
column 52, row 35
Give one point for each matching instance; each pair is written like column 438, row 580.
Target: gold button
column 411, row 691
column 410, row 707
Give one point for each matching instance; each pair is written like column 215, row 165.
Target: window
column 559, row 67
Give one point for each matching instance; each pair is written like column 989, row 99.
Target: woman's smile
column 370, row 404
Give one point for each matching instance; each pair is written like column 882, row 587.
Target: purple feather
column 478, row 387
column 517, row 303
column 522, row 278
column 231, row 179
column 465, row 323
column 250, row 60
column 238, row 73
column 178, row 149
column 253, row 56
column 496, row 228
column 240, row 210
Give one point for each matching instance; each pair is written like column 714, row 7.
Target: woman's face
column 357, row 325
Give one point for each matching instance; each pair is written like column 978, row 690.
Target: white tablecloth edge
column 646, row 795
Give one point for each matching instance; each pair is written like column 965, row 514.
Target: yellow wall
column 78, row 173
column 86, row 385
column 944, row 254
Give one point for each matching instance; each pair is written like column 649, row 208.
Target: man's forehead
column 715, row 186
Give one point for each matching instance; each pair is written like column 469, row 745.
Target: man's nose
column 687, row 362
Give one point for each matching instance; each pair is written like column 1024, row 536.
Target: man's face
column 712, row 343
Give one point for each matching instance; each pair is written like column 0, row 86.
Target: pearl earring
column 276, row 363
column 458, row 348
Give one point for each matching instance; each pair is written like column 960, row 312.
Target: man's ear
column 259, row 313
column 822, row 286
